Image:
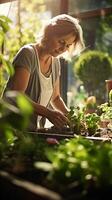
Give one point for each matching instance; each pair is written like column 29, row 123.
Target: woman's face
column 58, row 45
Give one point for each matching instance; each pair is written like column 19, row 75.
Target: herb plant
column 75, row 117
column 92, row 122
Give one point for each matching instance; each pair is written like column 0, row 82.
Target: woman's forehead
column 70, row 38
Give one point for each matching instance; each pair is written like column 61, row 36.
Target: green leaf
column 24, row 104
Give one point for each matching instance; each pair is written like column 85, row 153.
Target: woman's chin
column 56, row 53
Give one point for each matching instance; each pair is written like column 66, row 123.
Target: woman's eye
column 62, row 42
column 68, row 45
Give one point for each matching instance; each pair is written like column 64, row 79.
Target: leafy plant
column 75, row 117
column 80, row 122
column 14, row 112
column 110, row 97
column 92, row 122
column 105, row 111
column 4, row 28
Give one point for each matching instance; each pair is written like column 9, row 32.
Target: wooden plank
column 93, row 13
column 64, row 6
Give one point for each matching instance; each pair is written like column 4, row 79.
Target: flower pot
column 104, row 123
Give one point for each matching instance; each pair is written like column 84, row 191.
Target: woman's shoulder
column 26, row 51
column 25, row 57
column 27, row 48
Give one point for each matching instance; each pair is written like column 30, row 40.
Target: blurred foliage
column 104, row 35
column 5, row 64
column 4, row 28
column 13, row 36
column 97, row 30
column 19, row 149
column 78, row 166
column 15, row 110
column 26, row 26
column 93, row 68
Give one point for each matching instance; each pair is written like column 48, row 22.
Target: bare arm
column 20, row 79
column 57, row 101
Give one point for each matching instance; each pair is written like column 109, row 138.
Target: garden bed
column 102, row 134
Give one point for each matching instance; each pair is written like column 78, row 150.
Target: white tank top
column 46, row 90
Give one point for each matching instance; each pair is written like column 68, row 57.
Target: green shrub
column 93, row 68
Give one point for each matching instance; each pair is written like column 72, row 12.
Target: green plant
column 18, row 148
column 105, row 111
column 80, row 122
column 5, row 64
column 75, row 117
column 91, row 121
column 27, row 26
column 78, row 165
column 93, row 68
column 4, row 28
column 110, row 97
column 14, row 112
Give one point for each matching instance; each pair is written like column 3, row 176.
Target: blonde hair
column 62, row 25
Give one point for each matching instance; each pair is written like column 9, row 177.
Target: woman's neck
column 45, row 60
column 43, row 55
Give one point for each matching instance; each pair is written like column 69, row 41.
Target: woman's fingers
column 58, row 119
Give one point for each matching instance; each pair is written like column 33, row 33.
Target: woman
column 37, row 69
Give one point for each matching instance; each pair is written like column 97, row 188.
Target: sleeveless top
column 46, row 87
column 27, row 57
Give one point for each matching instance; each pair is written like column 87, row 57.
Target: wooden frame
column 94, row 13
column 6, row 1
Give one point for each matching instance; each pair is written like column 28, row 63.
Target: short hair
column 62, row 25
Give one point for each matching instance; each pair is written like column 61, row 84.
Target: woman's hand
column 57, row 118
